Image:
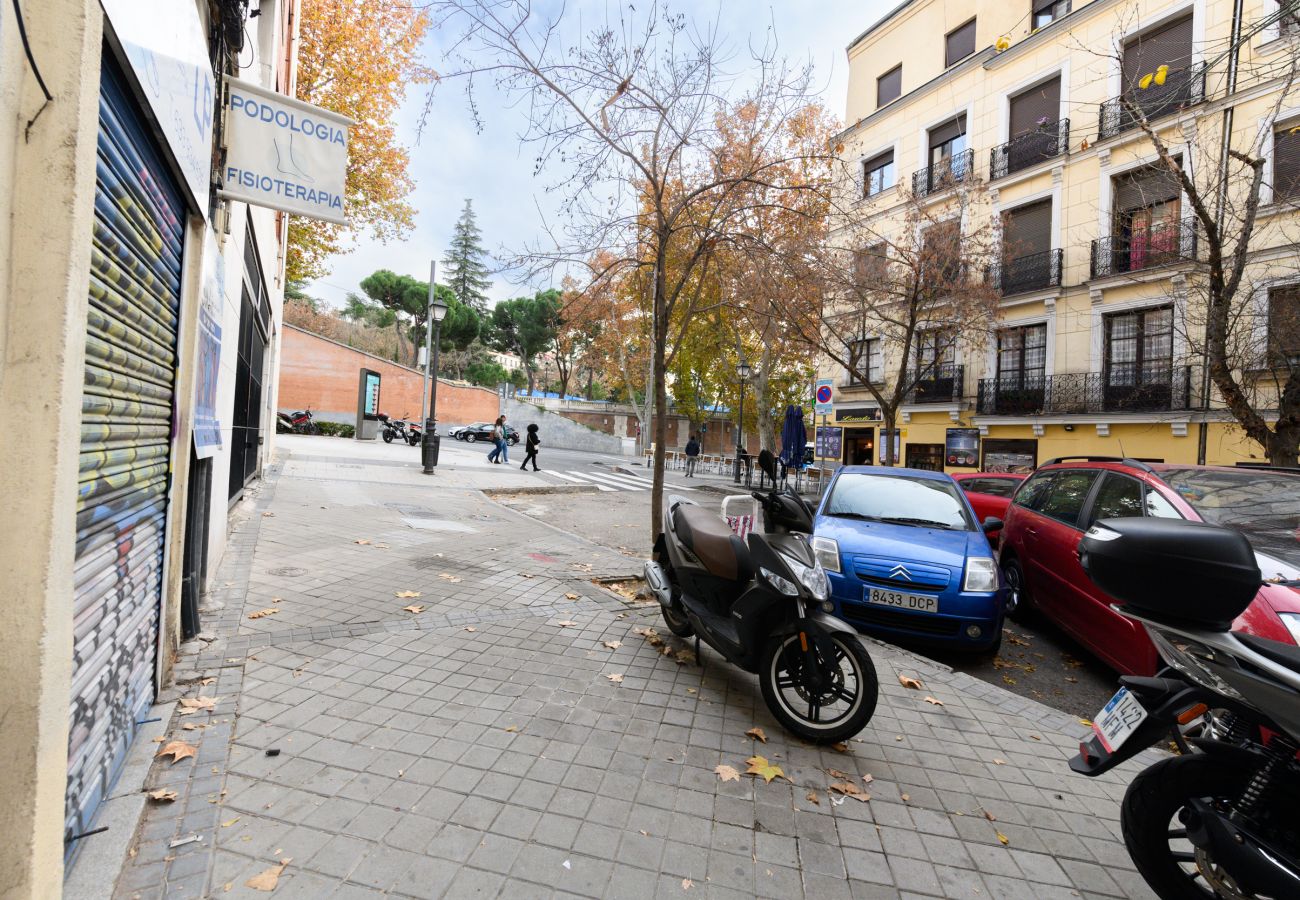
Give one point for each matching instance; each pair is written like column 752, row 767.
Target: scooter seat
column 710, row 538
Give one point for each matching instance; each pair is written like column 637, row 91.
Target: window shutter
column 1042, row 102
column 1043, row 5
column 1170, row 45
column 948, row 131
column 1146, row 187
column 889, row 86
column 1027, row 230
column 1286, row 164
column 960, row 43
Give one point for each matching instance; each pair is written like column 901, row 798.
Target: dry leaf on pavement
column 570, row 596
column 361, row 541
column 727, row 773
column 566, row 624
column 849, row 789
column 988, row 815
column 759, row 766
column 162, row 795
column 687, row 884
column 204, row 682
column 867, row 779
column 999, row 762
column 613, row 645
column 836, row 773
column 413, row 609
column 757, row 734
column 230, row 822
column 447, row 576
column 191, row 705
column 406, row 595
column 1003, row 838
column 904, row 797
column 177, row 750
column 615, row 677
column 933, row 701
column 840, row 747
column 470, row 628
column 907, row 682
column 267, row 880
column 262, row 613
column 813, row 798
column 512, row 728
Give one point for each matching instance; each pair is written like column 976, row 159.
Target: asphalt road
column 1036, row 660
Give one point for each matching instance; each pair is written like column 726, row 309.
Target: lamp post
column 429, row 448
column 742, row 372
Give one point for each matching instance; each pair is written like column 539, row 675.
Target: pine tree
column 466, row 271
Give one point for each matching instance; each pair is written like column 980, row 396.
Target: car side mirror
column 991, row 524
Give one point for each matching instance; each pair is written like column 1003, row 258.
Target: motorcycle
column 1218, row 820
column 299, row 422
column 765, row 606
column 400, row 429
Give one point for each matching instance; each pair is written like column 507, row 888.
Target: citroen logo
column 900, row 572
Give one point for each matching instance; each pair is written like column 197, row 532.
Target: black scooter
column 765, row 605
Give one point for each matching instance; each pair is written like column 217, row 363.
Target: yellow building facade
column 1010, row 113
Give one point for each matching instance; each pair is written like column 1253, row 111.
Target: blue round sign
column 824, row 393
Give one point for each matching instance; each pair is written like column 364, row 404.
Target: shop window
column 959, row 43
column 889, row 87
column 1010, row 455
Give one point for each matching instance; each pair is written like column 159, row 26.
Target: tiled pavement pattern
column 478, row 748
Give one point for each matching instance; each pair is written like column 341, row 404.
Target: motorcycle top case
column 1188, row 571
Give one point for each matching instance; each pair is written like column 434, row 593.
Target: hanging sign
column 284, row 154
column 823, row 396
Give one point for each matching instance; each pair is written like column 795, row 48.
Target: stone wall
column 561, row 432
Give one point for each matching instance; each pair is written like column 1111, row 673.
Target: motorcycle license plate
column 1118, row 720
column 903, row 600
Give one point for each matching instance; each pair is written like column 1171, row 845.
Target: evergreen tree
column 466, row 271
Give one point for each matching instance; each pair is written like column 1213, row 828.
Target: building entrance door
column 859, row 446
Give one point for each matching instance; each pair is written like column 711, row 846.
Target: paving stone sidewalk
column 478, row 747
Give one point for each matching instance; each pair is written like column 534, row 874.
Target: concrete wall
column 322, row 375
column 558, row 431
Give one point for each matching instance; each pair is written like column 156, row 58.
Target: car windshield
column 898, row 499
column 1264, row 506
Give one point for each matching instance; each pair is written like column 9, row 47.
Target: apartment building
column 1097, row 346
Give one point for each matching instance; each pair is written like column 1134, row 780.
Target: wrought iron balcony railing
column 1181, row 89
column 1144, row 248
column 942, row 384
column 1033, row 272
column 1124, row 388
column 1050, row 140
column 947, row 172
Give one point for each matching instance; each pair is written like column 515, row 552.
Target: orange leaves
column 758, row 765
column 727, row 773
column 177, row 750
column 757, row 734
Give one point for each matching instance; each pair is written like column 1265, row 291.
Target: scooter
column 1220, row 819
column 765, row 606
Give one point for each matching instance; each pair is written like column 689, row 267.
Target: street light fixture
column 743, row 372
column 429, row 446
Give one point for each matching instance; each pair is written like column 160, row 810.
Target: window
column 1022, row 357
column 1036, row 110
column 941, row 255
column 1119, row 497
column 1034, row 490
column 870, row 266
column 1048, row 11
column 1140, row 348
column 1284, row 325
column 994, row 487
column 866, row 360
column 1027, row 230
column 1286, row 164
column 1069, row 490
column 889, row 86
column 947, row 141
column 1289, row 25
column 959, row 43
column 935, row 352
column 878, row 174
column 1148, row 226
column 1159, row 508
column 1168, row 46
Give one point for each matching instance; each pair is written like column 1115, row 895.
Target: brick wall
column 323, row 375
column 596, row 421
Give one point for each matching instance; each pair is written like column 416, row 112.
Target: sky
column 452, row 160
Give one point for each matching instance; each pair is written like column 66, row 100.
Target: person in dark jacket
column 692, row 456
column 531, row 447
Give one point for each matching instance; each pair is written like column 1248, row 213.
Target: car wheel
column 470, row 438
column 1018, row 599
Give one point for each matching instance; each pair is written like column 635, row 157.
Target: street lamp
column 429, row 448
column 742, row 372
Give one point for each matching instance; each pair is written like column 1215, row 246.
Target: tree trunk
column 886, row 452
column 658, row 377
column 1283, row 446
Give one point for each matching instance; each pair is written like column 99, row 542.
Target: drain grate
column 288, row 572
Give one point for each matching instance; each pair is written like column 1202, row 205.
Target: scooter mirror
column 767, row 462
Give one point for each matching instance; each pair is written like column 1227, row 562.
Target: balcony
column 1180, row 90
column 945, row 173
column 1035, row 272
column 1125, row 389
column 943, row 385
column 1146, row 248
column 1051, row 140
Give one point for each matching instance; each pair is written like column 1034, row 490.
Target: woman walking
column 530, row 446
column 498, row 452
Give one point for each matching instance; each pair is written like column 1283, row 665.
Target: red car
column 1061, row 500
column 990, row 494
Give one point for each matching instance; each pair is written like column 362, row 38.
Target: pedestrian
column 692, row 456
column 497, row 453
column 530, row 446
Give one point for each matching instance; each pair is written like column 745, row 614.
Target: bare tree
column 631, row 114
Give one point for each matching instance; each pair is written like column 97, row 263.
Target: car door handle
column 1031, row 532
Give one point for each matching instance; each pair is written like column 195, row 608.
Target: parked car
column 1059, row 502
column 482, row 431
column 907, row 558
column 989, row 494
column 460, row 431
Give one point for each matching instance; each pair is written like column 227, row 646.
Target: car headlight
column 981, row 575
column 812, row 577
column 1292, row 623
column 827, row 553
column 784, row 585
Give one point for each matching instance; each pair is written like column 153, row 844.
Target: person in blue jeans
column 499, row 452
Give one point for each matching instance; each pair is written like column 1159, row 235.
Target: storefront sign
column 823, row 395
column 207, row 424
column 284, row 154
column 165, row 45
column 857, row 414
column 829, row 442
column 962, row 447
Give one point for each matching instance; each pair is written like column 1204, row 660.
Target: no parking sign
column 823, row 394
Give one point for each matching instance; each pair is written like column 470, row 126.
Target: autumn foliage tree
column 358, row 58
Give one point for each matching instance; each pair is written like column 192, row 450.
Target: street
column 412, row 688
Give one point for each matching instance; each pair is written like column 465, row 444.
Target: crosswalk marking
column 579, row 480
column 611, row 481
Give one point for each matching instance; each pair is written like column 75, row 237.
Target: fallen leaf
column 613, row 645
column 727, row 773
column 204, row 682
column 999, row 762
column 849, row 789
column 934, row 701
column 570, row 596
column 190, row 705
column 267, row 880
column 230, row 884
column 813, row 798
column 691, row 691
column 904, row 797
column 1003, row 838
column 512, row 728
column 413, row 609
column 231, row 822
column 525, row 575
column 836, row 773
column 615, row 677
column 867, row 779
column 1008, row 679
column 267, row 515
column 1035, row 737
column 566, row 624
column 446, row 576
column 759, row 766
column 907, row 682
column 1086, row 722
column 188, row 726
column 162, row 795
column 687, row 884
column 406, row 595
column 684, row 656
column 840, row 747
column 177, row 750
column 361, row 541
column 470, row 628
column 263, row 613
column 988, row 815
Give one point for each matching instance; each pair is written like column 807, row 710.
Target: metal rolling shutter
column 126, row 422
column 1028, row 229
column 1042, row 102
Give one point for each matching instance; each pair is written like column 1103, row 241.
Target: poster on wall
column 829, row 442
column 207, row 424
column 884, row 444
column 962, row 447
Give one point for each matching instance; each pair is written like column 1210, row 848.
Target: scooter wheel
column 677, row 622
column 832, row 712
column 388, row 437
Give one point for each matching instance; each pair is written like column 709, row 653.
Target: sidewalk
column 479, row 747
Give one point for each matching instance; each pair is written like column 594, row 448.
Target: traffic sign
column 823, row 396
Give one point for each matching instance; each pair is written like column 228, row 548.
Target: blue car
column 907, row 558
